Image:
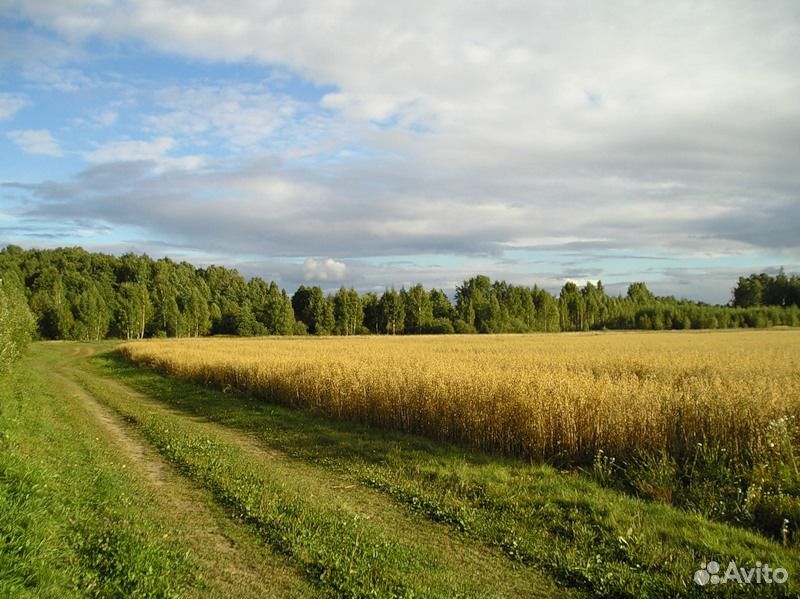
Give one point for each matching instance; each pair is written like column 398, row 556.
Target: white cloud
column 60, row 79
column 623, row 89
column 10, row 104
column 242, row 117
column 130, row 150
column 328, row 271
column 459, row 62
column 36, row 141
column 245, row 118
column 155, row 153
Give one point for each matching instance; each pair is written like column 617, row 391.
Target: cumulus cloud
column 560, row 60
column 328, row 270
column 36, row 141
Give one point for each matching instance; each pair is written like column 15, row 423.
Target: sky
column 377, row 144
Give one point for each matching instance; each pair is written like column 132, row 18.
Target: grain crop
column 561, row 398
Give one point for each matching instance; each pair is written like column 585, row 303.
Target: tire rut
column 216, row 541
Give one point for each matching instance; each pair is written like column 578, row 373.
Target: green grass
column 88, row 510
column 763, row 495
column 69, row 522
column 561, row 524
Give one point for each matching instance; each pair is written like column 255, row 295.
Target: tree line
column 766, row 290
column 75, row 294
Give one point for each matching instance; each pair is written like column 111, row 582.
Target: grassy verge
column 71, row 523
column 561, row 523
column 761, row 494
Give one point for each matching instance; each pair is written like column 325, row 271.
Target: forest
column 75, row 294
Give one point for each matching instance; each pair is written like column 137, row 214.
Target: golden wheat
column 562, row 397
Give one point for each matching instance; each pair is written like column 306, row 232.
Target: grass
column 562, row 524
column 88, row 510
column 70, row 525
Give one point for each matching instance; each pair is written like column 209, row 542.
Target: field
column 585, row 465
column 558, row 398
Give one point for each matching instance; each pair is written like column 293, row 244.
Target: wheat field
column 562, row 397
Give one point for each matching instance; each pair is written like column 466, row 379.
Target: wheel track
column 233, row 562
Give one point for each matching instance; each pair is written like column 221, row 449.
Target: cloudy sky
column 386, row 143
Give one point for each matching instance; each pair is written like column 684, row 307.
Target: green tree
column 348, row 311
column 594, row 302
column 571, row 307
column 228, row 292
column 472, row 301
column 164, row 294
column 133, row 310
column 74, row 294
column 277, row 313
column 392, row 311
column 519, row 307
column 197, row 312
column 777, row 290
column 244, row 322
column 418, row 310
column 495, row 318
column 94, row 315
column 313, row 309
column 372, row 313
column 440, row 305
column 547, row 316
column 639, row 294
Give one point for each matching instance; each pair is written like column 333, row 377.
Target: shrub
column 16, row 321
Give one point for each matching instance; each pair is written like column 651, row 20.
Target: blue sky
column 373, row 145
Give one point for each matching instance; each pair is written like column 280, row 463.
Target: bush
column 440, row 326
column 464, row 328
column 16, row 321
